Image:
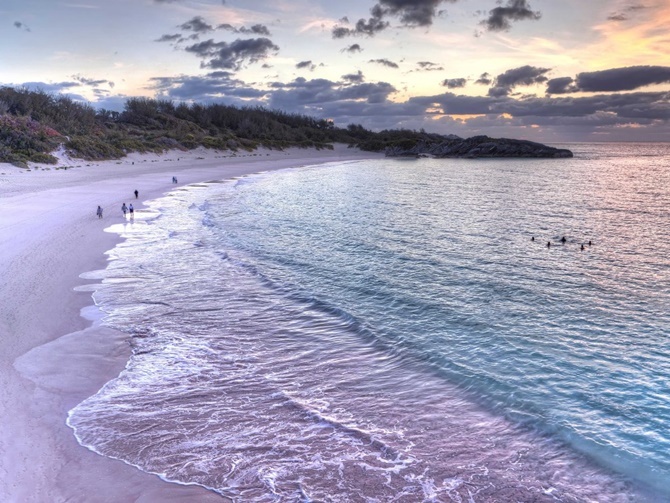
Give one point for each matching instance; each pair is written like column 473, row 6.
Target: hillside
column 33, row 124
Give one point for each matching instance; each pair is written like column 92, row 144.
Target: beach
column 52, row 353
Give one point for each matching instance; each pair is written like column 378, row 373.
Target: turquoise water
column 389, row 330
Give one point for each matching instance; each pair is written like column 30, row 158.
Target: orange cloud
column 641, row 40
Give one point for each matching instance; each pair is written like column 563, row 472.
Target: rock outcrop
column 479, row 146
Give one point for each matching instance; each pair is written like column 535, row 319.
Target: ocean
column 399, row 330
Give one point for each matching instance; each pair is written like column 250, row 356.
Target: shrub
column 42, row 158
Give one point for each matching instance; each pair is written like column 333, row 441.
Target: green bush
column 92, row 148
column 42, row 158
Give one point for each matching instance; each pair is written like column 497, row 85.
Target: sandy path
column 51, row 358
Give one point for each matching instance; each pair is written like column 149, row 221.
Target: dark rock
column 479, row 147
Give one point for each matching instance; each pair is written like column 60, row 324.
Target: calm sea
column 388, row 330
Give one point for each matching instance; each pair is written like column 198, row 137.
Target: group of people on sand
column 129, row 208
column 124, row 208
column 563, row 241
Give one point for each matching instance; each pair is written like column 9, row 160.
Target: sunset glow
column 382, row 65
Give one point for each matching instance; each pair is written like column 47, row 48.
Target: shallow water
column 387, row 331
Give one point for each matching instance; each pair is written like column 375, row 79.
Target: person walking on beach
column 174, row 179
column 136, row 194
column 99, row 212
column 124, row 208
column 132, row 211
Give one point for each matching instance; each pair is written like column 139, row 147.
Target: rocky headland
column 477, row 147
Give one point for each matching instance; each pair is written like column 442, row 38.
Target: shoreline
column 53, row 352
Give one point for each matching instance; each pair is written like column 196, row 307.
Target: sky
column 543, row 70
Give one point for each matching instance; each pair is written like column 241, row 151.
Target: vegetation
column 34, row 123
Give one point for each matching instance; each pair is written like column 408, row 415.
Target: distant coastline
column 40, row 128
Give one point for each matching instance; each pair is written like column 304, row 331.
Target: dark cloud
column 21, row 26
column 412, row 13
column 354, row 78
column 384, row 62
column 617, row 17
column 497, row 91
column 257, row 29
column 302, row 94
column 428, row 66
column 454, row 83
column 92, row 82
column 170, row 38
column 561, row 85
column 622, row 79
column 369, row 28
column 232, row 56
column 197, row 24
column 306, row 64
column 615, row 79
column 484, row 79
column 352, row 48
column 624, row 15
column 219, row 86
column 612, row 109
column 628, row 106
column 57, row 87
column 522, row 76
column 500, row 18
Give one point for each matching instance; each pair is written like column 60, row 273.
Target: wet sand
column 53, row 354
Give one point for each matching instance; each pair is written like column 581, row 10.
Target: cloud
column 21, row 26
column 428, row 66
column 617, row 17
column 307, row 95
column 352, row 48
column 412, row 13
column 215, row 86
column 231, row 56
column 624, row 14
column 469, row 115
column 92, row 82
column 53, row 87
column 484, row 79
column 384, row 62
column 257, row 29
column 500, row 18
column 628, row 106
column 523, row 76
column 615, row 79
column 454, row 83
column 306, row 64
column 197, row 25
column 622, row 79
column 354, row 78
column 170, row 38
column 561, row 85
column 369, row 28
